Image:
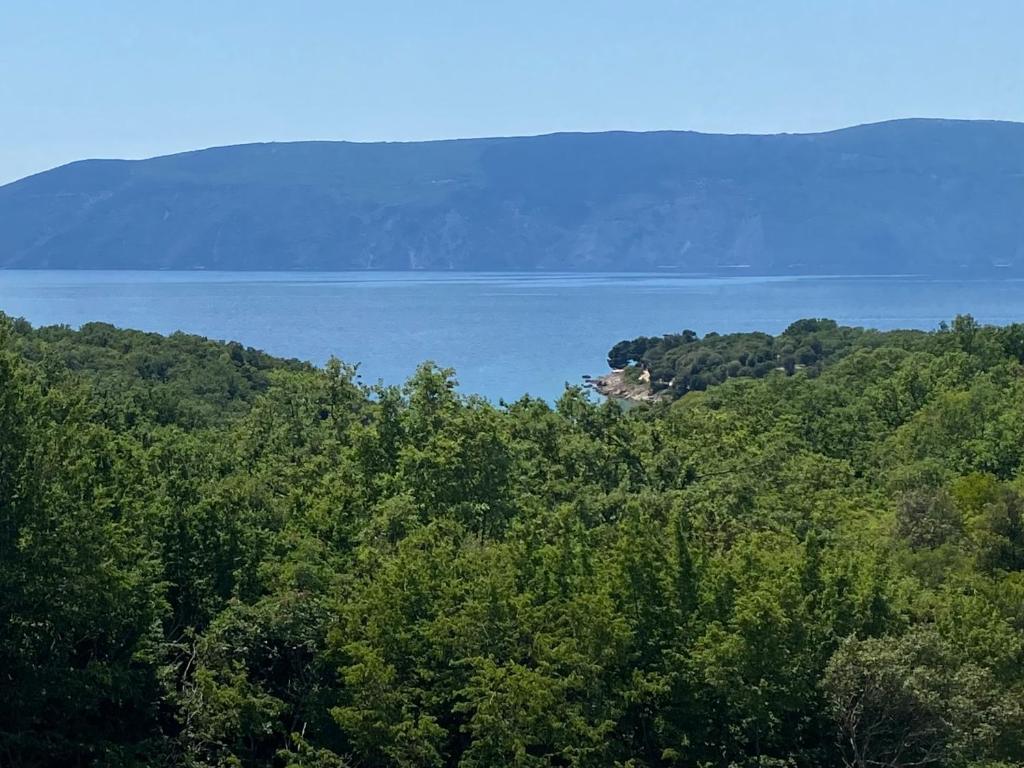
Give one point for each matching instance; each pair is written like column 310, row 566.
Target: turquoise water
column 505, row 334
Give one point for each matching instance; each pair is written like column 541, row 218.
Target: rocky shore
column 618, row 386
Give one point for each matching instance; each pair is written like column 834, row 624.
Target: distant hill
column 922, row 196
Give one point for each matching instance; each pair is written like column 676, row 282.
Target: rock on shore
column 618, row 386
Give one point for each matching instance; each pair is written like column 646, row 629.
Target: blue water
column 505, row 334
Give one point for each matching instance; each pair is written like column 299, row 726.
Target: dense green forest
column 677, row 363
column 211, row 557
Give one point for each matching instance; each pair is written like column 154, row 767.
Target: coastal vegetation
column 678, row 363
column 809, row 553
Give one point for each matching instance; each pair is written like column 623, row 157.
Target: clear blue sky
column 113, row 78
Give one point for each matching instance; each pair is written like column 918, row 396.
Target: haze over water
column 505, row 334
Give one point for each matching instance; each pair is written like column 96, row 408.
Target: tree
column 927, row 518
column 910, row 701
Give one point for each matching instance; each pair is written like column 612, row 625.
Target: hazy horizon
column 122, row 81
column 509, row 136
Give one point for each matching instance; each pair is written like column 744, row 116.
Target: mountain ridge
column 916, row 195
column 503, row 137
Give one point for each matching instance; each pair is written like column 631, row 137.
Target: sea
column 504, row 334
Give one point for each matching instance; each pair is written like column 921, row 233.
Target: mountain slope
column 931, row 196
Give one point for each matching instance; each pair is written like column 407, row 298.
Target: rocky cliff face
column 921, row 196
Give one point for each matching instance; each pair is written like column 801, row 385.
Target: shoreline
column 615, row 386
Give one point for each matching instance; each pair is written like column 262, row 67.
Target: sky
column 114, row 78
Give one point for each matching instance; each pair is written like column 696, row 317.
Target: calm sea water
column 505, row 334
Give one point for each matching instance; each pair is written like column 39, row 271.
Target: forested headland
column 812, row 554
column 677, row 363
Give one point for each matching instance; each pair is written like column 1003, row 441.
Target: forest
column 812, row 554
column 677, row 363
